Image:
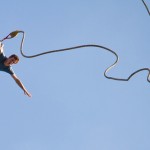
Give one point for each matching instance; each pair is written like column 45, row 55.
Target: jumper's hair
column 15, row 57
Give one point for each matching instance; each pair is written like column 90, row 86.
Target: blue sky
column 73, row 106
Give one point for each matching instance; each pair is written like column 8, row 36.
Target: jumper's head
column 13, row 59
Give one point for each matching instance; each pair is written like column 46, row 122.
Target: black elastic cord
column 146, row 7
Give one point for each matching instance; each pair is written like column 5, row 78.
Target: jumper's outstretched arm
column 17, row 80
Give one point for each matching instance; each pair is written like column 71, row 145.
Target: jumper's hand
column 27, row 93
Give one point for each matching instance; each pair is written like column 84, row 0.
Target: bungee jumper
column 6, row 66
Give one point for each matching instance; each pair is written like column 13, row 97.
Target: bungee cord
column 15, row 33
column 146, row 7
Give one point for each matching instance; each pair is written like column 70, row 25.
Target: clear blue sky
column 73, row 106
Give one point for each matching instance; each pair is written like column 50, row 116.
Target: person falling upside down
column 5, row 65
